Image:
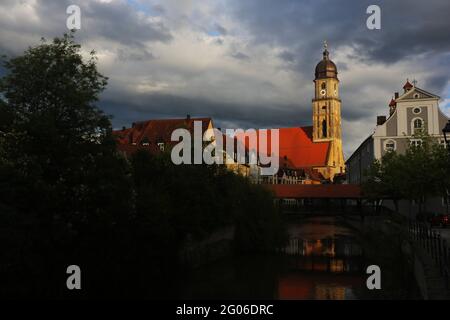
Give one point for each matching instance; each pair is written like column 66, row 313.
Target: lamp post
column 446, row 132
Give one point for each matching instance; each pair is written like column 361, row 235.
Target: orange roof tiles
column 296, row 146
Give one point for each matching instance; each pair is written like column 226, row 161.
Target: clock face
column 323, row 92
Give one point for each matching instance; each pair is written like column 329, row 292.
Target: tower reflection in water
column 321, row 269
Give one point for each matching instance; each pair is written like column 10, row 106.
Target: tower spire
column 325, row 50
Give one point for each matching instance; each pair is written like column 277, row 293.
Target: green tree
column 385, row 179
column 418, row 174
column 63, row 187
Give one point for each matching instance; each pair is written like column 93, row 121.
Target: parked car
column 435, row 219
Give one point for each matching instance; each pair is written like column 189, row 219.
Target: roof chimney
column 396, row 95
column 381, row 120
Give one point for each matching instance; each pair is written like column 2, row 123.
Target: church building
column 415, row 110
column 316, row 149
column 311, row 154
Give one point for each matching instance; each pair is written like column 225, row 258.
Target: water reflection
column 322, row 260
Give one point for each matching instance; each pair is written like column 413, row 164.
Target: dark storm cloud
column 253, row 41
column 287, row 56
column 141, row 55
column 409, row 27
column 114, row 21
column 128, row 109
column 220, row 29
column 240, row 56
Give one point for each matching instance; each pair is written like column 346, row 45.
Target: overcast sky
column 246, row 63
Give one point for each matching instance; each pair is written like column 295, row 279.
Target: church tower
column 327, row 114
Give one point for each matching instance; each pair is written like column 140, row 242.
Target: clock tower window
column 324, row 128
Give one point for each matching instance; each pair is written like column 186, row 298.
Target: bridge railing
column 432, row 242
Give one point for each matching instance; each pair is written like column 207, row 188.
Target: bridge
column 320, row 199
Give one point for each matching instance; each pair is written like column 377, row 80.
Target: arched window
column 417, row 125
column 324, row 128
column 323, row 86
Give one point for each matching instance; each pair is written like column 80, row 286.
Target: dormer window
column 145, row 142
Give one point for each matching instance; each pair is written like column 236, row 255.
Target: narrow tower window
column 324, row 86
column 324, row 128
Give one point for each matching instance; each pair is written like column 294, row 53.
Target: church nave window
column 418, row 125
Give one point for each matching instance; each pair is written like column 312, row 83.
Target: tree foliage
column 68, row 197
column 423, row 171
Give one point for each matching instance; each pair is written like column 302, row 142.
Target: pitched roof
column 305, row 191
column 296, row 147
column 155, row 131
column 392, row 103
column 422, row 93
column 407, row 85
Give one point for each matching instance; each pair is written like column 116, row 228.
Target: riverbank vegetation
column 68, row 197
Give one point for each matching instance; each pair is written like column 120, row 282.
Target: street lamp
column 446, row 132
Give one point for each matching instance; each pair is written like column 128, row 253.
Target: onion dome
column 326, row 68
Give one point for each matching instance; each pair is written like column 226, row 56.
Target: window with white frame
column 390, row 145
column 416, row 142
column 417, row 125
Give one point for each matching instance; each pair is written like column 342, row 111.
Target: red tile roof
column 392, row 103
column 296, row 147
column 303, row 191
column 154, row 132
column 407, row 85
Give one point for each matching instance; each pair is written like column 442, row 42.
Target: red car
column 436, row 220
column 440, row 220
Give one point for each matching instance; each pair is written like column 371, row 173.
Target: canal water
column 323, row 260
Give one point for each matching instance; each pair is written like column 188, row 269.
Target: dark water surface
column 323, row 260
